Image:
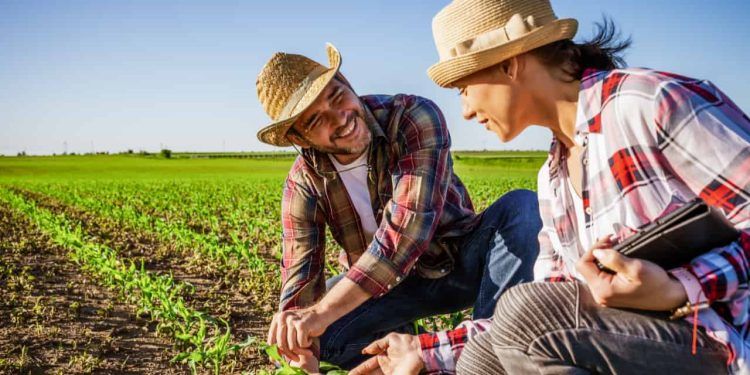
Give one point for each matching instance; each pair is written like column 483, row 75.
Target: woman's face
column 495, row 100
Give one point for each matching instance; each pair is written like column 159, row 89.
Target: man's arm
column 420, row 184
column 303, row 259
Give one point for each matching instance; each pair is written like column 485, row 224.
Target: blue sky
column 117, row 75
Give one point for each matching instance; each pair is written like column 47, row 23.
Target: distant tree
column 130, row 151
column 166, row 153
column 22, row 153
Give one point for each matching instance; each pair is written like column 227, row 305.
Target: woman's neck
column 562, row 100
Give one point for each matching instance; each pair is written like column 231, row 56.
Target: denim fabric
column 498, row 254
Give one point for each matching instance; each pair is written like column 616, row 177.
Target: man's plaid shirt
column 652, row 142
column 416, row 199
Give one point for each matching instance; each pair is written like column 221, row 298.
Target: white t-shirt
column 355, row 180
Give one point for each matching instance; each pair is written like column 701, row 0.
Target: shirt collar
column 588, row 118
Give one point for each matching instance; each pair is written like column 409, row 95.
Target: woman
column 630, row 145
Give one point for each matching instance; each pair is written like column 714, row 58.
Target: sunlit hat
column 471, row 35
column 287, row 85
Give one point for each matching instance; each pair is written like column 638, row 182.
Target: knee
column 477, row 357
column 520, row 206
column 525, row 206
column 528, row 311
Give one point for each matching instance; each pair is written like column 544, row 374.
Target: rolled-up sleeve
column 420, row 183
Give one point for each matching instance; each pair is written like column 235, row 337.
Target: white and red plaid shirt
column 652, row 142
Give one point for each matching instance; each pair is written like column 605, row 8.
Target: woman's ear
column 512, row 67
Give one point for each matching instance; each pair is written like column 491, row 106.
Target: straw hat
column 287, row 85
column 471, row 35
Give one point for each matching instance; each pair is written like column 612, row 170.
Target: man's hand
column 398, row 354
column 294, row 329
column 306, row 360
column 636, row 283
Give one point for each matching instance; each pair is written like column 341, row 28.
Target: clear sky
column 115, row 75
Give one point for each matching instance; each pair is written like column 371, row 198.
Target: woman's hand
column 399, row 354
column 636, row 283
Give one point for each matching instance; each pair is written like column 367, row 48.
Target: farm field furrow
column 202, row 340
column 54, row 319
column 237, row 261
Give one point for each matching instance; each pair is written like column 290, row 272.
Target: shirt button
column 585, row 161
column 588, row 210
column 442, row 271
column 398, row 279
column 389, row 286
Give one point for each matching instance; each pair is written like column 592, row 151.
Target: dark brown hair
column 602, row 52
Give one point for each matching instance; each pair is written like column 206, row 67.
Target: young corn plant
column 203, row 340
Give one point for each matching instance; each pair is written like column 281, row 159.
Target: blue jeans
column 499, row 253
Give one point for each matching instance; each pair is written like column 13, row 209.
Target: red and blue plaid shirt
column 652, row 142
column 416, row 199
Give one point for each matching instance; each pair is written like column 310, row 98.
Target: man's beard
column 350, row 150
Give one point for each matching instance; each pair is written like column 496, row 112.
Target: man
column 377, row 171
column 630, row 146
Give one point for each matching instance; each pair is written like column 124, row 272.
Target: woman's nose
column 466, row 109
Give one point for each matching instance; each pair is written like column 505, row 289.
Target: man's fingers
column 281, row 334
column 291, row 334
column 289, row 356
column 271, row 339
column 376, row 347
column 366, row 367
column 302, row 339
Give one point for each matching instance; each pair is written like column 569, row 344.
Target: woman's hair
column 602, row 52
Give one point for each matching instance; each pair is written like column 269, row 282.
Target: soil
column 215, row 292
column 55, row 320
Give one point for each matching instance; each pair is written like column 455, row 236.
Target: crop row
column 129, row 211
column 201, row 339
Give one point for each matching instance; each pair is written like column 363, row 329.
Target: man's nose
column 337, row 117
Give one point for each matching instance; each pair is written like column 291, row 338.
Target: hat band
column 296, row 97
column 515, row 28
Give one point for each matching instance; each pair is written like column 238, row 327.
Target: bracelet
column 687, row 309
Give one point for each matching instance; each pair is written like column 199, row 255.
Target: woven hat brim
column 275, row 133
column 446, row 72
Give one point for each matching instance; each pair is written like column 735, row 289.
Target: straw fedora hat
column 287, row 85
column 471, row 35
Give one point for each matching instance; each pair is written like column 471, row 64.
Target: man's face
column 334, row 123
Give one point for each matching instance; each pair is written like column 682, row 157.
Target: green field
column 183, row 250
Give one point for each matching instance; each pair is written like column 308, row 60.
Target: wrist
column 327, row 313
column 678, row 295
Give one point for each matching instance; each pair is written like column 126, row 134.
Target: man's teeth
column 348, row 130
